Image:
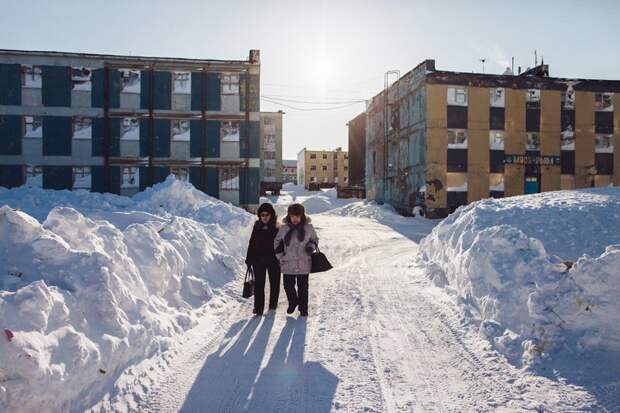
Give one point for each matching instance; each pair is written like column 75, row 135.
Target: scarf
column 301, row 233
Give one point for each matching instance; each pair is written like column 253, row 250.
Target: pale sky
column 329, row 50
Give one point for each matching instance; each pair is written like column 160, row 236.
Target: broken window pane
column 604, row 144
column 230, row 132
column 182, row 174
column 33, row 127
column 182, row 83
column 533, row 141
column 496, row 140
column 81, row 78
column 130, row 177
column 180, row 130
column 457, row 139
column 130, row 81
column 457, row 96
column 82, row 177
column 604, row 102
column 568, row 139
column 496, row 182
column 568, row 97
column 532, row 98
column 34, row 176
column 230, row 84
column 82, row 128
column 229, row 178
column 31, row 76
column 130, row 129
column 498, row 97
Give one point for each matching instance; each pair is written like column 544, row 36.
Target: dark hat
column 296, row 209
column 266, row 207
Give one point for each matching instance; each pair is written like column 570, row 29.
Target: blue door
column 531, row 185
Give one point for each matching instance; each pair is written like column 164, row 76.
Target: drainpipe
column 386, row 98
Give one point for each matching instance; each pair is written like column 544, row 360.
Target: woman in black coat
column 262, row 258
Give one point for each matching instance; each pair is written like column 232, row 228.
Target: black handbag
column 248, row 283
column 320, row 263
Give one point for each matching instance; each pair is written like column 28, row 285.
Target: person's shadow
column 289, row 384
column 228, row 380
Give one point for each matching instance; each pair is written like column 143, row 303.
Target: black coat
column 260, row 247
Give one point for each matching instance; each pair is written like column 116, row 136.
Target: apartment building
column 289, row 171
column 322, row 169
column 453, row 138
column 271, row 152
column 120, row 124
column 357, row 150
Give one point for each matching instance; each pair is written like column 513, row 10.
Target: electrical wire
column 335, row 102
column 275, row 102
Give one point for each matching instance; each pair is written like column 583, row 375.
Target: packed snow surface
column 510, row 263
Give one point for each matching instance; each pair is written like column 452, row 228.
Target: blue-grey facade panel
column 101, row 174
column 195, row 136
column 206, row 90
column 254, row 93
column 11, row 176
column 114, row 85
column 56, row 85
column 161, row 138
column 10, row 135
column 213, row 139
column 249, row 141
column 151, row 176
column 57, row 134
column 249, row 185
column 10, row 84
column 162, row 89
column 57, row 177
column 205, row 179
column 98, row 137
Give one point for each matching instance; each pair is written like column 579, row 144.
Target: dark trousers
column 299, row 296
column 260, row 271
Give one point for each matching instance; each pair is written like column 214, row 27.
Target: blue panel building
column 120, row 124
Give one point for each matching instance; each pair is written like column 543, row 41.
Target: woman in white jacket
column 294, row 244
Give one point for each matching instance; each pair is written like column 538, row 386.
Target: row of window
column 81, row 177
column 458, row 139
column 457, row 118
column 457, row 162
column 324, row 168
column 326, row 180
column 458, row 96
column 324, row 156
column 81, row 79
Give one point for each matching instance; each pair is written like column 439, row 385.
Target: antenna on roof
column 535, row 58
column 512, row 66
column 483, row 60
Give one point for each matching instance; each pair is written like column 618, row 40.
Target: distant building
column 289, row 171
column 271, row 152
column 120, row 124
column 322, row 169
column 357, row 150
column 451, row 138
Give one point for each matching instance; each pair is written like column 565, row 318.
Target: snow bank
column 102, row 282
column 509, row 263
column 315, row 202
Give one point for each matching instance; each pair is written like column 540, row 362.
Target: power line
column 275, row 102
column 335, row 102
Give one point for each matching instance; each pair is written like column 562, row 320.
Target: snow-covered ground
column 391, row 329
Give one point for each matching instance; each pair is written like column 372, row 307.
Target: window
column 325, row 180
column 335, row 179
column 532, row 99
column 457, row 117
column 229, row 178
column 496, row 182
column 346, row 156
column 230, row 84
column 604, row 163
column 568, row 98
column 31, row 77
column 567, row 162
column 604, row 144
column 81, row 78
column 312, row 179
column 346, row 179
column 270, row 172
column 313, row 167
column 181, row 83
column 496, row 140
column 457, row 138
column 604, row 122
column 130, row 177
column 33, row 127
column 533, row 141
column 567, row 138
column 230, row 131
column 34, row 176
column 182, row 174
column 324, row 156
column 130, row 80
column 496, row 162
column 270, row 143
column 457, row 96
column 270, row 155
column 269, row 126
column 457, row 160
column 325, row 167
column 496, row 118
column 82, row 177
column 82, row 128
column 604, row 102
column 179, row 130
column 130, row 129
column 270, row 139
column 532, row 120
column 346, row 168
column 497, row 97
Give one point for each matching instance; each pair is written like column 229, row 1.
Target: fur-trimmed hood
column 286, row 221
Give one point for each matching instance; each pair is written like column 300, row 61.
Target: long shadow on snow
column 228, row 379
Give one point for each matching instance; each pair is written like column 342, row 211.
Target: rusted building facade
column 357, row 150
column 454, row 138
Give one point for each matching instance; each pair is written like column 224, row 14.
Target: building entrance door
column 532, row 185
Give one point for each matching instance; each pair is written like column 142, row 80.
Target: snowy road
column 380, row 338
